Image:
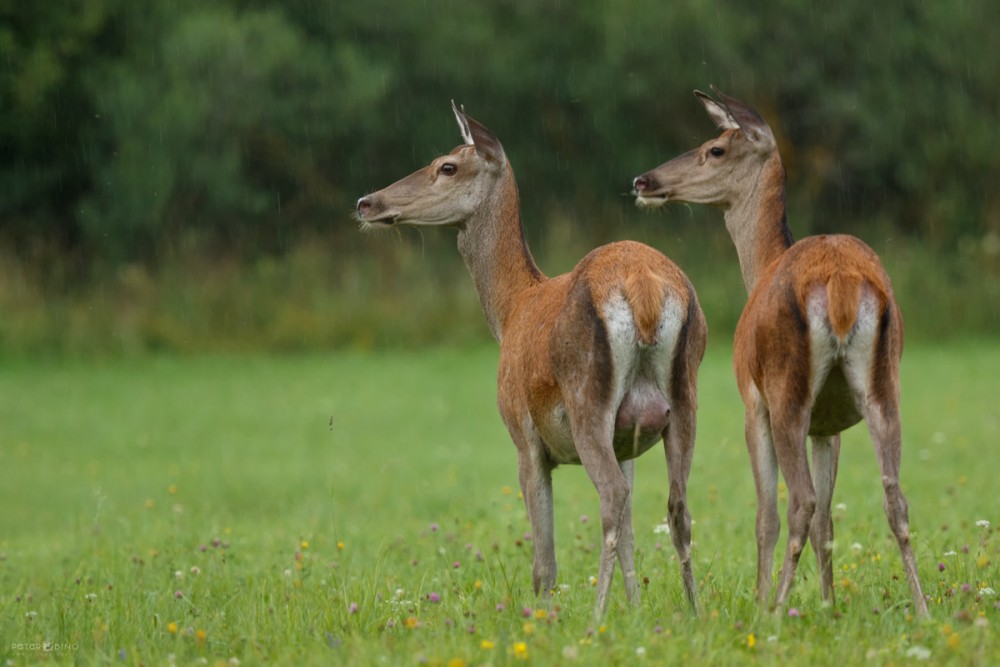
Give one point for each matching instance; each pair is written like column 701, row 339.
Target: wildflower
column 340, row 546
column 983, row 523
column 841, row 507
column 986, row 590
column 456, row 564
column 500, row 606
column 528, row 627
column 200, row 635
column 178, row 595
column 150, row 504
column 570, row 652
column 918, row 652
column 172, row 489
column 304, row 544
column 520, row 650
column 411, row 622
column 662, row 528
column 456, row 662
column 640, row 652
column 954, row 641
column 352, row 608
column 90, row 597
column 433, row 597
column 434, row 527
column 751, row 640
column 982, row 561
column 178, row 575
column 601, row 630
column 526, row 612
column 593, row 580
column 172, row 628
column 793, row 612
column 478, row 585
column 506, row 490
column 541, row 613
column 486, row 645
column 950, row 553
column 195, row 570
column 203, row 548
column 940, row 567
column 856, row 547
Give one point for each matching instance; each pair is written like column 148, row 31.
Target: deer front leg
column 764, row 464
column 825, row 454
column 535, row 476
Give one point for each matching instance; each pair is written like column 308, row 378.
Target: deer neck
column 493, row 247
column 757, row 223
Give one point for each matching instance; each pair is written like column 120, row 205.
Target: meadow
column 360, row 508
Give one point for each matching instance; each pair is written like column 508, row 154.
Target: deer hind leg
column 825, row 454
column 678, row 443
column 535, row 476
column 790, row 428
column 885, row 428
column 625, row 547
column 765, row 473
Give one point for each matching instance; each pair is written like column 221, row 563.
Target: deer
column 595, row 366
column 816, row 349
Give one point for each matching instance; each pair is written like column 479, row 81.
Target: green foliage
column 236, row 506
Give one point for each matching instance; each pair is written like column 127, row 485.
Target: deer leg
column 886, row 432
column 535, row 476
column 757, row 426
column 790, row 428
column 598, row 459
column 626, row 540
column 678, row 443
column 825, row 453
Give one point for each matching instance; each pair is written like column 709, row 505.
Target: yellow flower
column 478, row 585
column 982, row 561
column 954, row 641
column 520, row 650
column 528, row 628
column 541, row 613
column 506, row 490
column 172, row 489
column 411, row 622
column 172, row 628
column 200, row 636
column 340, row 545
column 304, row 544
column 486, row 645
column 602, row 629
column 150, row 504
column 751, row 640
column 456, row 662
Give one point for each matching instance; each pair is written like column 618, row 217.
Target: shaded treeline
column 140, row 133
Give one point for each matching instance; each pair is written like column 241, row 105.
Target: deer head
column 720, row 171
column 448, row 191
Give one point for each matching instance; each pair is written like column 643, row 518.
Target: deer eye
column 717, row 151
column 448, row 169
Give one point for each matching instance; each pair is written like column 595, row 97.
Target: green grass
column 228, row 507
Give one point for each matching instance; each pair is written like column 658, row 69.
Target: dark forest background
column 181, row 175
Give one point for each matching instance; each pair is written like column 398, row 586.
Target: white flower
column 841, row 507
column 856, row 547
column 178, row 575
column 662, row 529
column 983, row 523
column 195, row 569
column 918, row 652
column 640, row 652
column 986, row 590
column 950, row 553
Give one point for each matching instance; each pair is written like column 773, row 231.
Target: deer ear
column 720, row 114
column 748, row 120
column 476, row 134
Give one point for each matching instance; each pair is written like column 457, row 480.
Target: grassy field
column 360, row 509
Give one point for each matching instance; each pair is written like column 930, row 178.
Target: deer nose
column 640, row 183
column 364, row 206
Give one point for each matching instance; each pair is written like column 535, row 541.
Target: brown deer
column 817, row 347
column 596, row 365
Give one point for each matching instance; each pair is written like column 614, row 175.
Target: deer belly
column 641, row 418
column 834, row 409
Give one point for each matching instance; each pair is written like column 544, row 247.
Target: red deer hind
column 596, row 365
column 816, row 350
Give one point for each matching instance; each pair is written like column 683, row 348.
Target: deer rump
column 627, row 329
